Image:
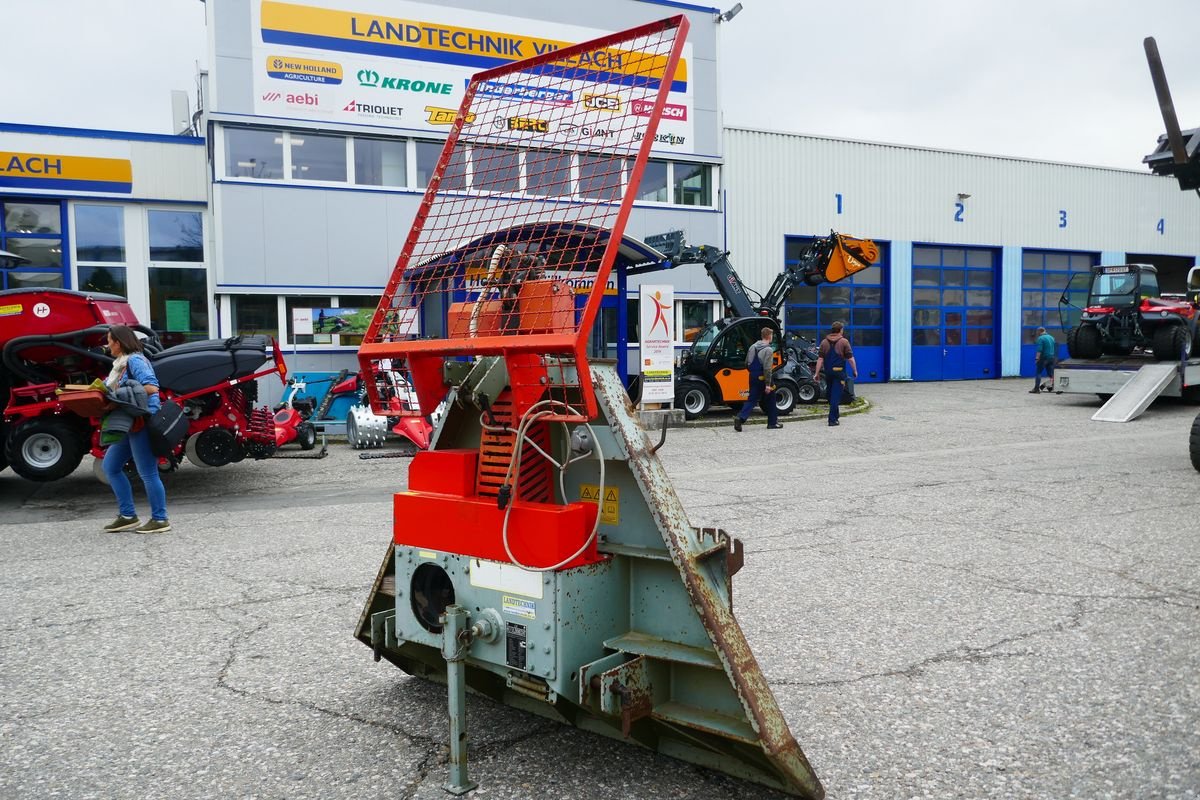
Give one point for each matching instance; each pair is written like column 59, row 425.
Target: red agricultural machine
column 539, row 555
column 54, row 337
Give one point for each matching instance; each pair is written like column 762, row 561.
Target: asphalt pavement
column 966, row 592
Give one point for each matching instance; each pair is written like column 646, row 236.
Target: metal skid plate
column 642, row 646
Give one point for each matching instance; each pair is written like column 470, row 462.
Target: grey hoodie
column 765, row 353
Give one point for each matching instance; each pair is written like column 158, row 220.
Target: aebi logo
column 304, row 99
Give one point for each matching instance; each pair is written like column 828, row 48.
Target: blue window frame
column 860, row 302
column 36, row 229
column 1044, row 275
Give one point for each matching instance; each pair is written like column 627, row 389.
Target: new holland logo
column 602, row 102
column 373, row 80
column 528, row 125
column 373, row 110
column 445, row 116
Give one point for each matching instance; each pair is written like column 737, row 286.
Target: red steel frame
column 421, row 359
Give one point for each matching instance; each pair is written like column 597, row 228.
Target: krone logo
column 445, row 116
column 368, row 77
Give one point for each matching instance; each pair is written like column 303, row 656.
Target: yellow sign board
column 610, row 506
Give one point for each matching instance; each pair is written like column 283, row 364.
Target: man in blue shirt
column 1046, row 355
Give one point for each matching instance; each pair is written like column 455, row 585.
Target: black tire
column 1084, row 341
column 3, row 437
column 1163, row 343
column 1181, row 338
column 694, row 398
column 808, row 392
column 45, row 449
column 1194, row 443
column 786, row 396
column 306, row 435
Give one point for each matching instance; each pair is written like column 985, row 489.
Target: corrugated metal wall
column 780, row 185
column 785, row 184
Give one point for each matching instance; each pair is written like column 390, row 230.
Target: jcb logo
column 445, row 116
column 529, row 125
column 602, row 102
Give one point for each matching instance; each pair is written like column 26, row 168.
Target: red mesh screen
column 516, row 236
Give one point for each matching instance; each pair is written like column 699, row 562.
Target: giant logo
column 644, row 108
column 373, row 80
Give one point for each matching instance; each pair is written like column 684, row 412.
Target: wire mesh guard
column 516, row 236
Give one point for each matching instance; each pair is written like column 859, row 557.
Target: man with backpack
column 760, row 361
column 836, row 357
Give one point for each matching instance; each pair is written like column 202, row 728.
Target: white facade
column 109, row 211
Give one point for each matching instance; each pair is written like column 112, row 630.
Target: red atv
column 53, row 337
column 1123, row 310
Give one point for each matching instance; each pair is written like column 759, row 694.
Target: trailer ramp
column 1138, row 393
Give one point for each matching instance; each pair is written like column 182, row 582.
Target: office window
column 179, row 303
column 176, row 236
column 291, row 304
column 255, row 314
column 495, row 169
column 253, row 154
column 378, row 162
column 32, row 218
column 693, row 184
column 547, row 173
column 99, row 233
column 109, row 279
column 318, row 158
column 600, row 177
column 655, row 186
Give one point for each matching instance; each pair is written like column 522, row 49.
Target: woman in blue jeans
column 130, row 365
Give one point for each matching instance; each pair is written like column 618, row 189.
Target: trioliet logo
column 369, row 108
column 445, row 116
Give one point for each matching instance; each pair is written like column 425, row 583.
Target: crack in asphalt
column 962, row 654
column 436, row 750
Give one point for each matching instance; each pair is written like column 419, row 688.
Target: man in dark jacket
column 837, row 359
column 760, row 361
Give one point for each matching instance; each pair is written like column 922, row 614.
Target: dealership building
column 322, row 121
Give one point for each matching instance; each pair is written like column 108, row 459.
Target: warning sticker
column 426, row 554
column 10, row 310
column 514, row 645
column 518, row 607
column 610, row 508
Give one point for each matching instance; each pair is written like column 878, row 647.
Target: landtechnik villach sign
column 65, row 173
column 397, row 64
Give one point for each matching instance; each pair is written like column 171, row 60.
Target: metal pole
column 454, row 646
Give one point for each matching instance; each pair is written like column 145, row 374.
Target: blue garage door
column 859, row 302
column 1044, row 275
column 954, row 317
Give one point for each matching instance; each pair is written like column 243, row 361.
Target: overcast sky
column 1060, row 80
